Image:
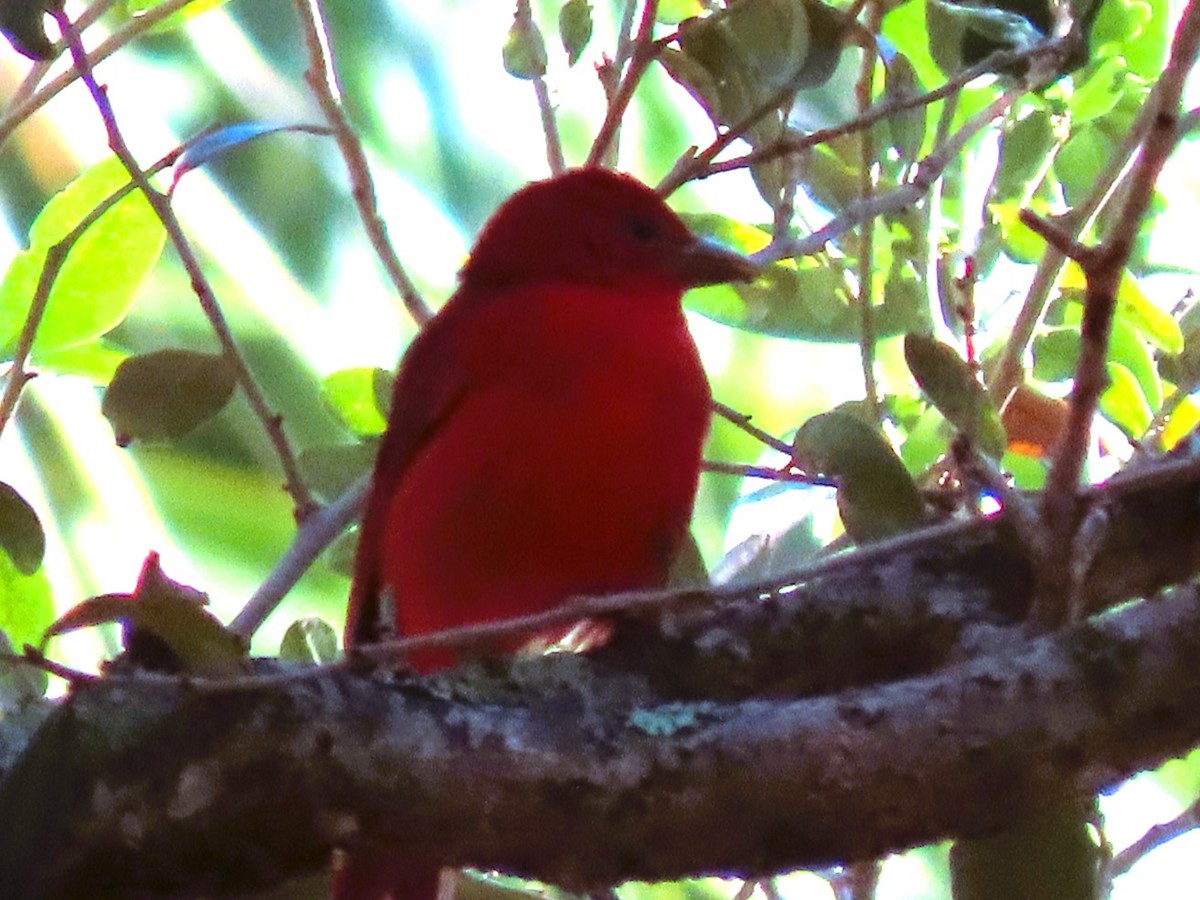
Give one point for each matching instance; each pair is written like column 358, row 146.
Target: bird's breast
column 569, row 466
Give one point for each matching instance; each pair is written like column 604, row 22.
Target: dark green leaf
column 969, row 31
column 21, row 532
column 951, row 386
column 165, row 394
column 340, row 556
column 687, row 568
column 1051, row 856
column 23, row 23
column 876, row 495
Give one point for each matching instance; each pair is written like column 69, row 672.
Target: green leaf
column 687, row 567
column 21, row 533
column 96, row 360
column 1050, row 856
column 353, row 396
column 95, row 287
column 876, row 495
column 968, row 32
column 1154, row 324
column 342, row 554
column 1100, row 92
column 309, row 640
column 1081, row 161
column 1123, row 402
column 331, row 469
column 575, row 28
column 1024, row 149
column 19, row 684
column 165, row 394
column 524, row 51
column 672, row 12
column 951, row 386
column 1127, row 347
column 1056, row 354
column 904, row 26
column 1021, row 243
column 1148, row 33
column 25, row 604
column 175, row 19
column 172, row 614
column 801, row 299
column 907, row 128
column 742, row 56
column 1184, row 420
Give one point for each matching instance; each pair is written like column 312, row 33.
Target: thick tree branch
column 890, row 701
column 578, row 776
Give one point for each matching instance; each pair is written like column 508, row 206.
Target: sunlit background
column 449, row 134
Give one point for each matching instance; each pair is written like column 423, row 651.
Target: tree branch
column 560, row 770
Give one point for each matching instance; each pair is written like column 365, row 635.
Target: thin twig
column 272, row 424
column 795, row 144
column 927, row 171
column 866, row 253
column 313, row 535
column 554, row 151
column 39, row 69
column 321, row 77
column 20, row 110
column 36, row 659
column 743, row 421
column 636, row 604
column 643, row 53
column 1155, row 837
column 1007, row 373
column 1103, row 268
column 766, row 473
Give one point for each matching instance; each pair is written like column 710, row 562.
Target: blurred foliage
column 449, row 134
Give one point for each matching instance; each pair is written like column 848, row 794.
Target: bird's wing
column 431, row 381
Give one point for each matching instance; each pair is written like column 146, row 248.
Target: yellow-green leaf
column 97, row 283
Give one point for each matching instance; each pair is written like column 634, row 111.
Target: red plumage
column 546, row 427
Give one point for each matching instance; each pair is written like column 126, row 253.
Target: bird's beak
column 704, row 262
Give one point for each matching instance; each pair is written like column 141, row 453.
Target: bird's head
column 598, row 228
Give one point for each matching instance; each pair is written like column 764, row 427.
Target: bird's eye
column 642, row 228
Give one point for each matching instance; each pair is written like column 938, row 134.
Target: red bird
column 545, row 432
